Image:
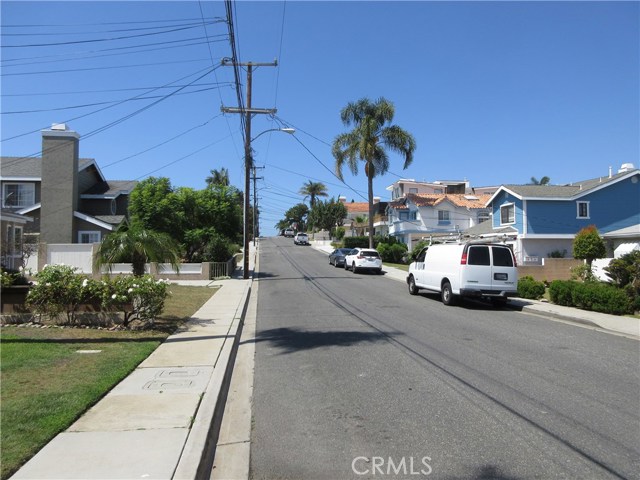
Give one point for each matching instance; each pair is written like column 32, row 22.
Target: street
column 355, row 378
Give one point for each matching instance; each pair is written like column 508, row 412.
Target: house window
column 18, row 194
column 413, row 190
column 507, row 214
column 443, row 217
column 583, row 209
column 483, row 217
column 89, row 237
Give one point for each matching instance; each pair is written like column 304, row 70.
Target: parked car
column 336, row 258
column 482, row 270
column 289, row 232
column 301, row 239
column 363, row 259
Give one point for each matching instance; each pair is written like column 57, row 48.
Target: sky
column 493, row 92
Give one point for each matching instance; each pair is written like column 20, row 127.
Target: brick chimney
column 59, row 188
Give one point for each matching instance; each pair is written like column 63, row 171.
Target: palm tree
column 542, row 181
column 372, row 135
column 312, row 190
column 135, row 244
column 218, row 177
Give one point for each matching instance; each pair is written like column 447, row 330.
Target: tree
column 542, row 181
column 325, row 215
column 312, row 190
column 218, row 177
column 588, row 245
column 137, row 245
column 296, row 214
column 372, row 135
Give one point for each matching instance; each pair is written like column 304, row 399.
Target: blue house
column 543, row 219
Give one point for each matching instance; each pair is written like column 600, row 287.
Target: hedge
column 597, row 297
column 530, row 288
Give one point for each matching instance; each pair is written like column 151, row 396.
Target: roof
column 486, row 229
column 435, row 199
column 562, row 192
column 357, row 207
column 31, row 167
column 112, row 188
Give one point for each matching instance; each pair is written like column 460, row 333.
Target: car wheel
column 413, row 290
column 379, row 271
column 353, row 267
column 346, row 266
column 448, row 298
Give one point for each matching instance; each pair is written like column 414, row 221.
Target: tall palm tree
column 135, row 244
column 543, row 181
column 372, row 135
column 313, row 190
column 218, row 177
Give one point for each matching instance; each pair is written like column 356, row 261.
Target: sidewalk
column 614, row 323
column 160, row 421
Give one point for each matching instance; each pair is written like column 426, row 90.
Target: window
column 413, row 190
column 443, row 217
column 479, row 256
column 88, row 237
column 403, row 215
column 18, row 194
column 507, row 214
column 483, row 217
column 502, row 257
column 422, row 255
column 583, row 209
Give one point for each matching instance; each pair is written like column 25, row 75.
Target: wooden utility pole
column 248, row 160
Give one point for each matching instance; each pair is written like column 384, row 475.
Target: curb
column 196, row 459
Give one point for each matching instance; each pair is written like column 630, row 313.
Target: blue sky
column 493, row 92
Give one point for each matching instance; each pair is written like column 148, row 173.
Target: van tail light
column 463, row 260
column 515, row 261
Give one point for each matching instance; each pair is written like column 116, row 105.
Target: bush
column 560, row 292
column 356, row 242
column 139, row 298
column 14, row 277
column 600, row 297
column 392, row 253
column 339, row 233
column 625, row 270
column 530, row 288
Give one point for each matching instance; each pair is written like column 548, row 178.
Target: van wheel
column 448, row 298
column 413, row 290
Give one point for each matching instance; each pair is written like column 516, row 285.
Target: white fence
column 79, row 255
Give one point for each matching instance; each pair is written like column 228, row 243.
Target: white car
column 289, row 232
column 363, row 259
column 301, row 239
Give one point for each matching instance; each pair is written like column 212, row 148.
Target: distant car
column 363, row 259
column 289, row 232
column 301, row 239
column 336, row 258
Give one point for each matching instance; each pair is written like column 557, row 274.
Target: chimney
column 610, row 171
column 376, row 200
column 59, row 187
column 342, row 199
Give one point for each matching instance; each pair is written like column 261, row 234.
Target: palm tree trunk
column 370, row 195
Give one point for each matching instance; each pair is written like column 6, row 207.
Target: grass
column 47, row 385
column 400, row 266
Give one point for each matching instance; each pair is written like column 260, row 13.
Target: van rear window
column 502, row 257
column 479, row 255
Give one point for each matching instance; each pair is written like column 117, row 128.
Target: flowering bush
column 14, row 277
column 139, row 298
column 60, row 290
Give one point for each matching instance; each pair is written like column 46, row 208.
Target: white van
column 472, row 269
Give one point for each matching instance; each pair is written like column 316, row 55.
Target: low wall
column 551, row 269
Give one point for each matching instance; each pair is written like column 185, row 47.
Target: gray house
column 66, row 198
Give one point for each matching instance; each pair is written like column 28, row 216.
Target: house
column 543, row 219
column 418, row 216
column 12, row 226
column 360, row 210
column 66, row 199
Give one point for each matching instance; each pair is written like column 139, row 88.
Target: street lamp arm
column 290, row 131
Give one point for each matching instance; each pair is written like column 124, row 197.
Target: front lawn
column 47, row 383
column 400, row 266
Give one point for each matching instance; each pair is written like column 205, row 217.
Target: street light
column 248, row 162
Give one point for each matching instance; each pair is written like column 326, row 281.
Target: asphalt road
column 355, row 378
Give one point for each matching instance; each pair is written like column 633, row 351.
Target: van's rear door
column 504, row 270
column 477, row 274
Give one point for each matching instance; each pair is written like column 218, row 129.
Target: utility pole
column 255, row 203
column 248, row 160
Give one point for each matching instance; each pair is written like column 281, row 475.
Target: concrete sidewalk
column 614, row 323
column 161, row 421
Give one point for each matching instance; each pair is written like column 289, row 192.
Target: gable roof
column 31, row 167
column 563, row 192
column 357, row 207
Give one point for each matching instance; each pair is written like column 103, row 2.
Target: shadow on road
column 291, row 340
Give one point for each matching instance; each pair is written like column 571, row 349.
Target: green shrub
column 356, row 242
column 139, row 298
column 626, row 269
column 339, row 233
column 560, row 292
column 392, row 253
column 600, row 297
column 530, row 288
